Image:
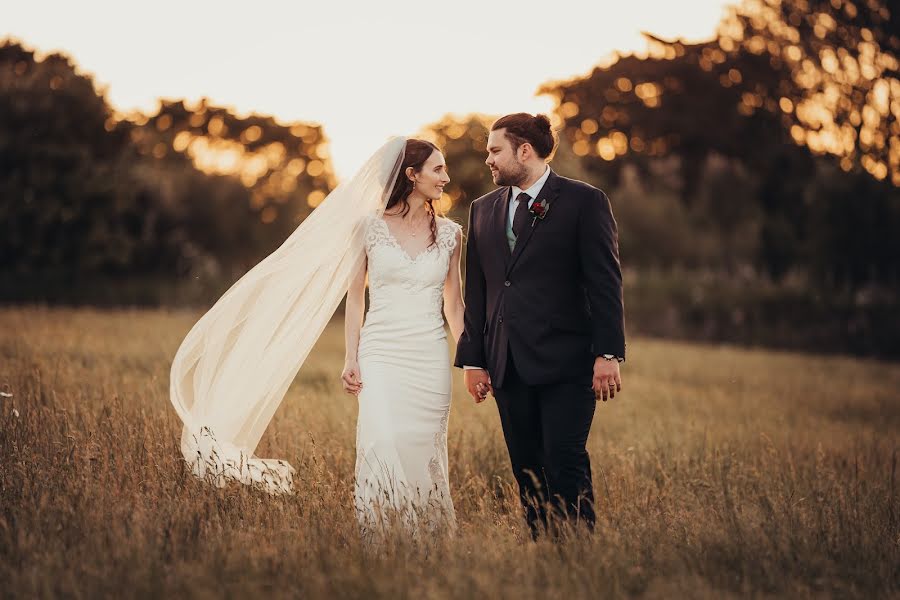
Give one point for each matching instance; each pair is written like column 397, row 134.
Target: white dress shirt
column 533, row 191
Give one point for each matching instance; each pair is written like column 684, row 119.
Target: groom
column 544, row 323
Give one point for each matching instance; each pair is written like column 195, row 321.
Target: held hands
column 478, row 383
column 350, row 378
column 607, row 380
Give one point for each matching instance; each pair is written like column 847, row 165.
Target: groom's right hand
column 478, row 383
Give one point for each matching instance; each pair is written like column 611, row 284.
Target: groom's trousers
column 546, row 429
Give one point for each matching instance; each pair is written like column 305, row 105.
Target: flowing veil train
column 235, row 365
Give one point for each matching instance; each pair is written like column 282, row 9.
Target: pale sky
column 363, row 70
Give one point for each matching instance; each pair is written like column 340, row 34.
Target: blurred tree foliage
column 282, row 172
column 59, row 161
column 462, row 141
column 755, row 178
column 783, row 129
column 86, row 195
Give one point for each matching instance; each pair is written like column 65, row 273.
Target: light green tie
column 510, row 236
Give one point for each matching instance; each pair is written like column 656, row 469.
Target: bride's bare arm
column 454, row 309
column 353, row 319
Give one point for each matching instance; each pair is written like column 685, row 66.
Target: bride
column 234, row 367
column 397, row 364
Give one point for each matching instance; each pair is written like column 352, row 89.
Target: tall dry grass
column 719, row 472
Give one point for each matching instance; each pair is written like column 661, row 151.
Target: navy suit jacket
column 555, row 301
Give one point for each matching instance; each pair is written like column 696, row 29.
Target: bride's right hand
column 350, row 378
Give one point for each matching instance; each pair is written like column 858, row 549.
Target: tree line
column 754, row 177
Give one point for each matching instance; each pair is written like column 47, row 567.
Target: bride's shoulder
column 449, row 224
column 370, row 220
column 449, row 233
column 374, row 230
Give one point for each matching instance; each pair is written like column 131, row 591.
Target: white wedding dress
column 235, row 365
column 404, row 405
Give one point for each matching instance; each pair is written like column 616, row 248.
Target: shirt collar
column 535, row 189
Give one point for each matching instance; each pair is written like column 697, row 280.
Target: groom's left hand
column 607, row 379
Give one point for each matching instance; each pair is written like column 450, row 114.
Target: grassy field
column 719, row 472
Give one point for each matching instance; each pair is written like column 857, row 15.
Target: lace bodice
column 402, row 285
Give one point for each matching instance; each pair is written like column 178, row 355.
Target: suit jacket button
column 507, row 283
column 500, row 320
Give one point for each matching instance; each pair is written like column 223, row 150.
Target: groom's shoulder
column 489, row 196
column 577, row 186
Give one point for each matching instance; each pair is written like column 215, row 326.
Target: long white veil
column 234, row 367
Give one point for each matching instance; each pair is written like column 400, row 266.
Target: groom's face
column 506, row 169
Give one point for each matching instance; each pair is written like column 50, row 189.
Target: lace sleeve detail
column 376, row 233
column 446, row 238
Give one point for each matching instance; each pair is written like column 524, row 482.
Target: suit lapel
column 501, row 218
column 549, row 193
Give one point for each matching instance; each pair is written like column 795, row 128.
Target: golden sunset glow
column 316, row 62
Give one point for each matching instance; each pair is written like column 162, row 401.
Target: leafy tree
column 285, row 169
column 85, row 192
column 61, row 159
column 767, row 95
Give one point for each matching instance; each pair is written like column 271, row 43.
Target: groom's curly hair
column 416, row 153
column 534, row 129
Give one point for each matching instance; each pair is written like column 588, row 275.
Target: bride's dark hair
column 416, row 153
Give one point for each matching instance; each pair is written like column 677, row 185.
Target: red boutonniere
column 539, row 209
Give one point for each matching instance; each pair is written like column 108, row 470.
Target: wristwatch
column 612, row 357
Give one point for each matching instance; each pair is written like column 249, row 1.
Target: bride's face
column 506, row 169
column 432, row 177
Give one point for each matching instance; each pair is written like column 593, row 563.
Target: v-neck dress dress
column 404, row 364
